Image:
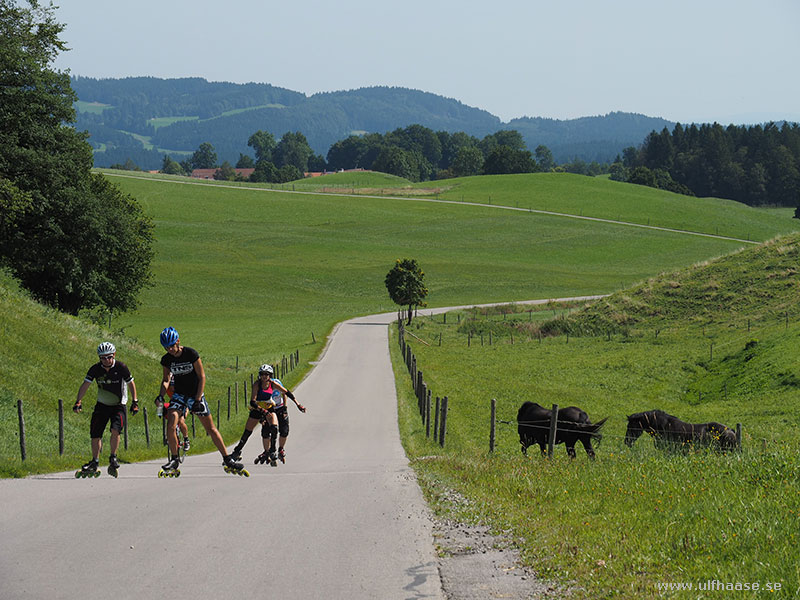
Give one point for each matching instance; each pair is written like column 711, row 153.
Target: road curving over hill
column 343, row 518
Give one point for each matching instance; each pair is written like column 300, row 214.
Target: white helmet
column 105, row 349
column 265, row 369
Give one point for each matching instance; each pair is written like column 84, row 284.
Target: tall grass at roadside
column 636, row 517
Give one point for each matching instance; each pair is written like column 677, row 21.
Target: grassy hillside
column 602, row 198
column 44, row 356
column 277, row 267
column 714, row 341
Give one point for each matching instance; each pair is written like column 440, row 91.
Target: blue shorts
column 181, row 403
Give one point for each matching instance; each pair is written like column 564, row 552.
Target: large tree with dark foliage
column 70, row 237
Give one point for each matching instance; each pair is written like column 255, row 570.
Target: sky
column 730, row 61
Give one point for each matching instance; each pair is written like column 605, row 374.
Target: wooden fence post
column 443, row 433
column 739, row 436
column 146, row 426
column 164, row 429
column 60, row 427
column 492, row 425
column 428, row 415
column 192, row 425
column 21, row 430
column 551, row 438
column 124, row 428
column 436, row 414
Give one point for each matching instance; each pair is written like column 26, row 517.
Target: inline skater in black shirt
column 183, row 364
column 114, row 381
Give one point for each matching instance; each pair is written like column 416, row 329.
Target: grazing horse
column 670, row 432
column 533, row 424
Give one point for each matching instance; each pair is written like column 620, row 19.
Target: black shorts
column 102, row 414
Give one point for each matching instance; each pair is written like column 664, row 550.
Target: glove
column 159, row 400
column 301, row 408
column 76, row 408
column 134, row 407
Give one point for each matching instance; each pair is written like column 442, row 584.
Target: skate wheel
column 245, row 472
column 160, row 474
column 97, row 474
column 177, row 473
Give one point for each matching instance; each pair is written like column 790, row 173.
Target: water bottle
column 159, row 408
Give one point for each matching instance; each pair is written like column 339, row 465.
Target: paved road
column 344, row 518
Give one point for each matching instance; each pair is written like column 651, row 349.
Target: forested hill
column 142, row 118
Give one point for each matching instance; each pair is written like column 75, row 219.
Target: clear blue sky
column 684, row 60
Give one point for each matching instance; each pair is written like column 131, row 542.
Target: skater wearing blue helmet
column 183, row 366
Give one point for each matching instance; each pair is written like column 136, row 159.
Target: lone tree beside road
column 405, row 285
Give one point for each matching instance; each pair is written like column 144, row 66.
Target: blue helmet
column 169, row 336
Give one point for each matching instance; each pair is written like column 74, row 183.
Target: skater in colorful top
column 268, row 405
column 184, row 365
column 114, row 381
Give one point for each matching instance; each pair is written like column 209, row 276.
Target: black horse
column 670, row 432
column 572, row 425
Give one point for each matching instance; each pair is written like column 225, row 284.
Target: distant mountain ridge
column 143, row 118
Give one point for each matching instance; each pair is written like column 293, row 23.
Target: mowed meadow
column 249, row 274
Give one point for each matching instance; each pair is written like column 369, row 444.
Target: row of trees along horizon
column 757, row 165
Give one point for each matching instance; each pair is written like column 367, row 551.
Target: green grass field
column 90, row 107
column 714, row 342
column 248, row 274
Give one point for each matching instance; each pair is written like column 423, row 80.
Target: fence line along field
column 635, row 516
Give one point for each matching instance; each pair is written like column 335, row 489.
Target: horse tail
column 593, row 429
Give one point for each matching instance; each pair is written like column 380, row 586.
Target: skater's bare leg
column 172, row 435
column 113, row 442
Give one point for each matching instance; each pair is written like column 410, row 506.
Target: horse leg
column 571, row 449
column 587, row 444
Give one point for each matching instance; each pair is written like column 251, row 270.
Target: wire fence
column 437, row 411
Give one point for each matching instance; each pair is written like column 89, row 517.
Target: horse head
column 638, row 424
